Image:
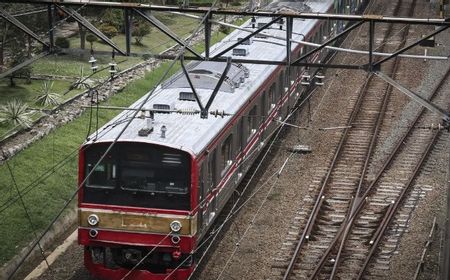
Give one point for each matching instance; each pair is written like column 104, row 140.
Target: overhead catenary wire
column 251, row 223
column 134, row 114
column 214, row 235
column 27, row 214
column 235, row 208
column 311, row 44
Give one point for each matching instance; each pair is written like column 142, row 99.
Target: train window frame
column 272, row 97
column 212, row 171
column 226, row 154
column 252, row 122
column 263, row 104
column 281, row 83
column 241, row 134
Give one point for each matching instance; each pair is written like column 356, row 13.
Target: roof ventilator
column 243, row 68
column 242, row 51
column 163, row 107
column 260, row 34
column 148, row 128
column 186, row 96
column 249, row 41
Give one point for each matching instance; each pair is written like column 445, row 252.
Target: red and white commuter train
column 160, row 188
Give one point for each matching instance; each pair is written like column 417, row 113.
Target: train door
column 211, row 183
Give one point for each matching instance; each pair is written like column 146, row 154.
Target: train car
column 158, row 191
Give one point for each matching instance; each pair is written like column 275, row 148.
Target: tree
column 19, row 56
column 62, row 42
column 108, row 30
column 113, row 17
column 46, row 96
column 139, row 31
column 91, row 38
column 83, row 38
column 15, row 112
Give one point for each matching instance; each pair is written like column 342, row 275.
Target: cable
column 233, row 212
column 254, row 217
column 26, row 212
column 180, row 53
column 50, row 171
column 146, row 256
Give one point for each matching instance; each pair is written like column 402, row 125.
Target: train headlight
column 92, row 219
column 175, row 226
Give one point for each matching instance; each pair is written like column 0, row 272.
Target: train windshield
column 137, row 174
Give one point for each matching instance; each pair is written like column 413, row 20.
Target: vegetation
column 91, row 38
column 108, row 30
column 62, row 42
column 139, row 32
column 15, row 112
column 44, row 198
column 47, row 97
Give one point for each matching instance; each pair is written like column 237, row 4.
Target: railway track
column 339, row 234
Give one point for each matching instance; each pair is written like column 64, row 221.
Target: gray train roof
column 190, row 132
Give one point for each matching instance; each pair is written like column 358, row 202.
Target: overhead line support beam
column 79, row 18
column 207, row 35
column 216, row 11
column 442, row 28
column 289, row 24
column 11, row 19
column 164, row 29
column 328, row 42
column 266, row 62
column 371, row 37
column 414, row 96
column 265, row 26
column 127, row 19
column 51, row 36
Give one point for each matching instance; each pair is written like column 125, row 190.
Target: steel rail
column 316, row 208
column 369, row 151
column 357, row 199
column 396, row 205
column 361, row 200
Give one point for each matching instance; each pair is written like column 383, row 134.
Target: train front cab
column 137, row 204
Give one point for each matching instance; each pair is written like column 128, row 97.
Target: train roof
column 189, row 132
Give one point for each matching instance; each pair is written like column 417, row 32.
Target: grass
column 154, row 43
column 27, row 93
column 70, row 65
column 45, row 199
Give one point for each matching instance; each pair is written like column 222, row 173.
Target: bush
column 139, row 31
column 62, row 43
column 235, row 3
column 91, row 38
column 225, row 29
column 108, row 30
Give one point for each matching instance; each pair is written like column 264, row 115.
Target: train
column 150, row 201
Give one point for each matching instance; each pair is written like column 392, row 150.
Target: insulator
column 188, row 111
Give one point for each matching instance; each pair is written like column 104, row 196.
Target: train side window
column 241, row 134
column 226, row 154
column 212, row 172
column 272, row 96
column 203, row 182
column 281, row 83
column 263, row 104
column 252, row 122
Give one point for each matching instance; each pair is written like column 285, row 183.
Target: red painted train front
column 147, row 205
column 137, row 204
